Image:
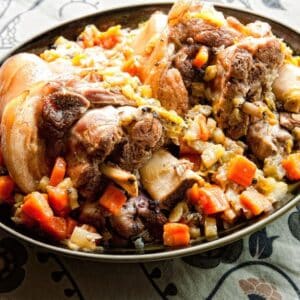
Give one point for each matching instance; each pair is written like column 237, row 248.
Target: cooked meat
column 203, row 33
column 93, row 214
column 98, row 132
column 127, row 224
column 143, row 137
column 289, row 120
column 245, row 72
column 100, row 97
column 265, row 140
column 92, row 139
column 183, row 61
column 166, row 178
column 172, row 93
column 60, row 110
column 153, row 219
column 22, row 148
column 18, row 73
column 287, row 87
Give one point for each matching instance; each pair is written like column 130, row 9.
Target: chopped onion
column 83, row 239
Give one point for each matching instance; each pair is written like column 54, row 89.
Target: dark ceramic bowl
column 131, row 17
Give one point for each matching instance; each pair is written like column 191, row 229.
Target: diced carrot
column 36, row 207
column 113, row 199
column 193, row 158
column 109, row 38
column 132, row 66
column 291, row 164
column 176, row 235
column 201, row 57
column 26, row 220
column 71, row 224
column 56, row 227
column 193, row 193
column 59, row 201
column 203, row 129
column 241, row 170
column 254, row 201
column 211, row 200
column 6, row 188
column 58, row 172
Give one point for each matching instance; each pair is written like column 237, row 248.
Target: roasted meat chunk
column 266, row 140
column 166, row 178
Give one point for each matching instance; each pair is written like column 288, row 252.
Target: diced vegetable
column 58, row 200
column 201, row 57
column 178, row 211
column 73, row 197
column 203, row 129
column 81, row 238
column 176, row 235
column 56, row 227
column 6, row 188
column 254, row 201
column 241, row 170
column 275, row 190
column 229, row 215
column 212, row 154
column 71, row 224
column 291, row 164
column 113, row 199
column 58, row 172
column 36, row 207
column 210, row 227
column 211, row 200
column 132, row 66
column 109, row 38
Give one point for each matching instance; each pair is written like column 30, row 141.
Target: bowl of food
column 150, row 132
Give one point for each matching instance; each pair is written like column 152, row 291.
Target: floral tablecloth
column 265, row 265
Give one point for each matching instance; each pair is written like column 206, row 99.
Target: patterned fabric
column 265, row 265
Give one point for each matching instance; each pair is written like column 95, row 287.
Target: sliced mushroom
column 23, row 150
column 166, row 178
column 125, row 179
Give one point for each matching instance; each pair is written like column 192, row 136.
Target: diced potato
column 212, row 154
column 210, row 227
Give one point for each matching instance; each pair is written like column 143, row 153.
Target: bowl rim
column 166, row 254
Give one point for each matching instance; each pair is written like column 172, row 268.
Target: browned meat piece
column 93, row 214
column 246, row 71
column 203, row 33
column 143, row 137
column 153, row 219
column 92, row 139
column 60, row 110
column 265, row 140
column 289, row 120
column 172, row 93
column 98, row 132
column 126, row 224
column 183, row 61
column 100, row 97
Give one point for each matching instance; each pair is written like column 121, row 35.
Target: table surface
column 265, row 265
